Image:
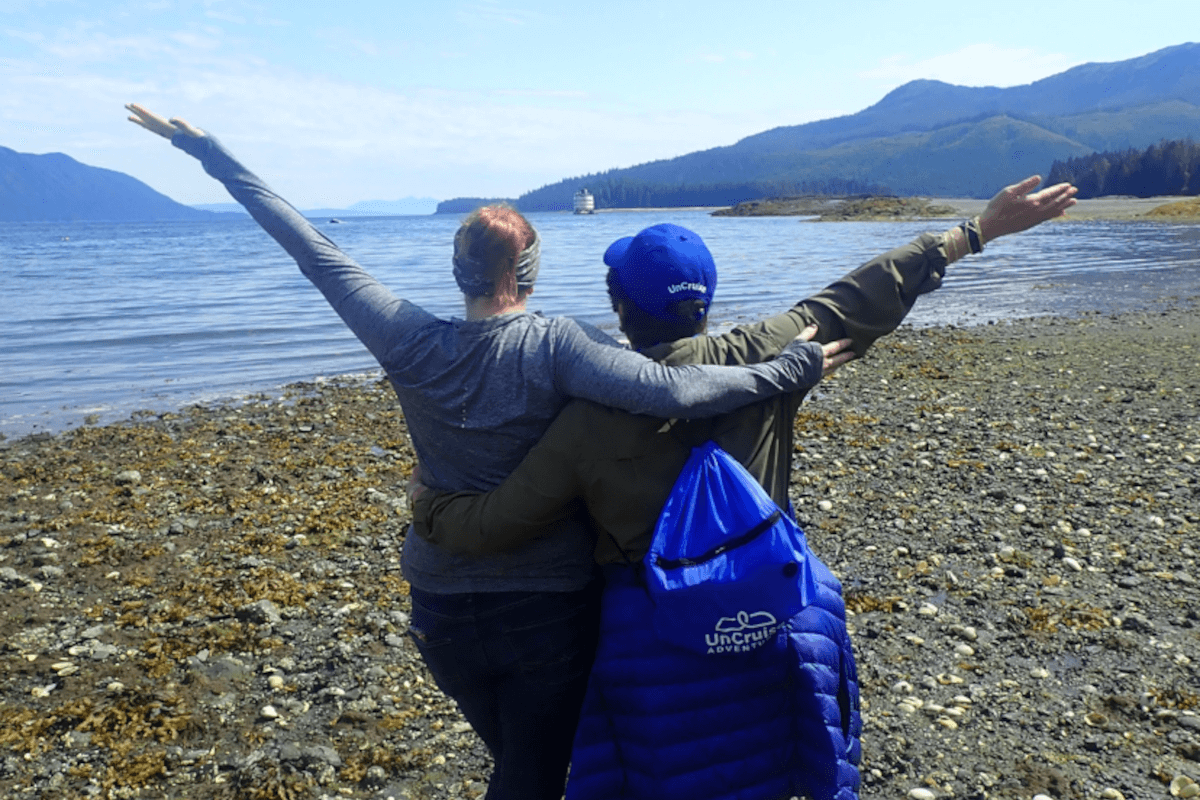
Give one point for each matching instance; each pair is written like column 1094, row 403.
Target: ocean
column 99, row 320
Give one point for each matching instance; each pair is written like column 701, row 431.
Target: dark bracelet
column 973, row 234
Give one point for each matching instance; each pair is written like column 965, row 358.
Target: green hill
column 925, row 138
column 54, row 186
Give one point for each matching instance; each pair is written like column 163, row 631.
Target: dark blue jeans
column 517, row 664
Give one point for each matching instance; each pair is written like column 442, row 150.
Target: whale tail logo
column 744, row 621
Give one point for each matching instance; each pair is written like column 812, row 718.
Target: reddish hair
column 496, row 235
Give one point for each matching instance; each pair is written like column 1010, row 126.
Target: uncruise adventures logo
column 741, row 633
column 675, row 288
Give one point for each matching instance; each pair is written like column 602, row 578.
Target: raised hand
column 1013, row 209
column 155, row 124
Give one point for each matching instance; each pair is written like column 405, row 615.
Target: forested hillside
column 925, row 138
column 1166, row 168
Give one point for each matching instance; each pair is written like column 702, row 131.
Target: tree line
column 1166, row 168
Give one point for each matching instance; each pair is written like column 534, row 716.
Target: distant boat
column 585, row 203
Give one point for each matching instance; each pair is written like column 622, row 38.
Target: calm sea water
column 105, row 319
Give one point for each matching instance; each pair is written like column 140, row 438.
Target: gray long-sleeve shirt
column 477, row 395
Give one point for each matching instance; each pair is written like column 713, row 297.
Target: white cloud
column 82, row 43
column 974, row 65
column 324, row 141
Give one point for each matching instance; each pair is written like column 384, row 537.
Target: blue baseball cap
column 661, row 266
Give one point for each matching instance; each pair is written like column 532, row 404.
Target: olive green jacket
column 622, row 466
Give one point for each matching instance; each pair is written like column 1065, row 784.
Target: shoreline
column 207, row 603
column 50, row 423
column 919, row 207
column 1099, row 208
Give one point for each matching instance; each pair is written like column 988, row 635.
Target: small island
column 837, row 209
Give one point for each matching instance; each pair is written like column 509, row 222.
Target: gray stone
column 127, row 477
column 263, row 612
column 322, row 754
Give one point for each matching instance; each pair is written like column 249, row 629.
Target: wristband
column 974, row 235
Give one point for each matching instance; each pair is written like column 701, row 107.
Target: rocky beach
column 209, row 604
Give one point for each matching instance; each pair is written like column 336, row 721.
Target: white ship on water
column 585, row 203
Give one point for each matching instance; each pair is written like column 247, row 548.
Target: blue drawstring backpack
column 724, row 667
column 726, row 567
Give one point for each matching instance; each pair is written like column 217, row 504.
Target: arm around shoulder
column 588, row 366
column 539, row 493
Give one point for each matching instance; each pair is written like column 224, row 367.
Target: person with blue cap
column 661, row 267
column 651, row 726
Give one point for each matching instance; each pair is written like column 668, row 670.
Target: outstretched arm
column 368, row 308
column 872, row 300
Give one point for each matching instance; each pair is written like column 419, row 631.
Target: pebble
column 127, row 477
column 965, row 632
column 921, row 794
column 1184, row 787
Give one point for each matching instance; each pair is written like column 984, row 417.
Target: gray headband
column 470, row 273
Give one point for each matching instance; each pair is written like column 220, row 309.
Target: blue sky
column 335, row 102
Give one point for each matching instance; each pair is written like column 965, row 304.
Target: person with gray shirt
column 477, row 394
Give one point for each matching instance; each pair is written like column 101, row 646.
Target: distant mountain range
column 930, row 138
column 57, row 187
column 924, row 138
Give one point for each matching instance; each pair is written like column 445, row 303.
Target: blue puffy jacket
column 663, row 722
